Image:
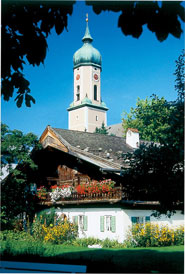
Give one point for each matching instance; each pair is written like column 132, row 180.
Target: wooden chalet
column 72, row 158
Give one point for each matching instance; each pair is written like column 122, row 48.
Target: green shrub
column 58, row 234
column 15, row 235
column 179, row 236
column 47, row 217
column 107, row 243
column 153, row 235
column 37, row 230
column 84, row 242
column 14, row 247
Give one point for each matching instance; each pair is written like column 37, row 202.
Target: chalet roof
column 93, row 141
column 116, row 130
column 102, row 150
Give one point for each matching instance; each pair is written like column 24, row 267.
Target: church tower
column 87, row 111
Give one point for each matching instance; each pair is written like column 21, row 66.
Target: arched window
column 78, row 93
column 95, row 92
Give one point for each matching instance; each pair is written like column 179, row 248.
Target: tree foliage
column 25, row 27
column 27, row 24
column 151, row 117
column 161, row 17
column 156, row 171
column 101, row 130
column 16, row 146
column 15, row 190
column 180, row 75
column 156, row 174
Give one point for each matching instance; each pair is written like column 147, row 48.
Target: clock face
column 96, row 77
column 77, row 76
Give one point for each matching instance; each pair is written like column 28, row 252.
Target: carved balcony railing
column 77, row 179
column 112, row 197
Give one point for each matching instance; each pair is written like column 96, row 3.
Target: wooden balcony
column 75, row 198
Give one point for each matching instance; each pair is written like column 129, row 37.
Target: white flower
column 60, row 193
column 66, row 192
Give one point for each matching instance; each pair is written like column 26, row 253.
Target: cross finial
column 86, row 17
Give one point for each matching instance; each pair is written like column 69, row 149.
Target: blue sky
column 131, row 68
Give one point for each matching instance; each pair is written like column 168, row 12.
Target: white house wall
column 93, row 227
column 123, row 220
column 175, row 221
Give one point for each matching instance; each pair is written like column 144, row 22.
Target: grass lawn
column 130, row 260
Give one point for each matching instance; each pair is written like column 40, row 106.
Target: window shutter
column 102, row 223
column 85, row 223
column 75, row 220
column 147, row 219
column 134, row 220
column 113, row 223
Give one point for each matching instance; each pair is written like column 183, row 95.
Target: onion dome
column 87, row 54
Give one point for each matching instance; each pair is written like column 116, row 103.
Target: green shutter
column 85, row 223
column 134, row 220
column 113, row 223
column 147, row 219
column 102, row 223
column 75, row 220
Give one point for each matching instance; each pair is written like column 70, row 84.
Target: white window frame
column 107, row 222
column 81, row 221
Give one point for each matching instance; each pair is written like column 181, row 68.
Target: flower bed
column 151, row 234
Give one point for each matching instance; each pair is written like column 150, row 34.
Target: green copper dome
column 87, row 54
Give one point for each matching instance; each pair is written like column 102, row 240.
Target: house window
column 81, row 221
column 95, row 92
column 96, row 118
column 140, row 220
column 78, row 93
column 108, row 223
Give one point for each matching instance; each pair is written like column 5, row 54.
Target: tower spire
column 87, row 37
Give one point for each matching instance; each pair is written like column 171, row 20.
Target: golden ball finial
column 86, row 17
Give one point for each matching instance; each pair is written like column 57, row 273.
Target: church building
column 87, row 111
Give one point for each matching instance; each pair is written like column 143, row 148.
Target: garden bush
column 58, row 234
column 153, row 235
column 12, row 235
column 86, row 241
column 107, row 243
column 18, row 247
column 48, row 227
